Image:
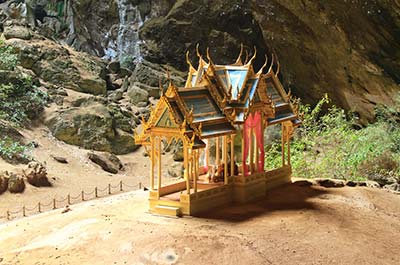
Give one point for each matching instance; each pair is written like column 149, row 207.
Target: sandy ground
column 292, row 225
column 79, row 174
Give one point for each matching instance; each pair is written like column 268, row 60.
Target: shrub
column 14, row 151
column 327, row 145
column 8, row 58
column 22, row 101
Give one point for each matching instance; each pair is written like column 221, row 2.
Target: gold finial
column 264, row 65
column 272, row 64
column 278, row 69
column 239, row 59
column 197, row 50
column 188, row 61
column 254, row 56
column 247, row 57
column 208, row 55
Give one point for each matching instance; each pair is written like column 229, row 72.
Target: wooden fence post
column 83, row 195
column 140, row 185
column 120, row 185
column 23, row 211
column 109, row 188
column 69, row 199
column 8, row 215
column 95, row 192
column 54, row 204
column 39, row 208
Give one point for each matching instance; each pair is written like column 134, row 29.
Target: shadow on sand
column 290, row 197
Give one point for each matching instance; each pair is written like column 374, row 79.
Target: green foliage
column 14, row 151
column 328, row 146
column 8, row 58
column 21, row 101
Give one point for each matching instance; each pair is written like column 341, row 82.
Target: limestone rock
column 176, row 170
column 17, row 32
column 60, row 159
column 4, row 176
column 330, row 183
column 94, row 86
column 36, row 175
column 137, row 95
column 393, row 187
column 107, row 162
column 16, row 183
column 93, row 125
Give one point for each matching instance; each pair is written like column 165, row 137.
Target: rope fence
column 58, row 203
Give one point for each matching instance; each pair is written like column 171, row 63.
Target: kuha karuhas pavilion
column 219, row 117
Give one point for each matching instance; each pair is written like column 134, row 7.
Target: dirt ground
column 293, row 225
column 79, row 174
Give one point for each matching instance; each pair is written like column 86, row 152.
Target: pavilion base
column 174, row 200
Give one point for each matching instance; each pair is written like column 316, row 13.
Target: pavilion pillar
column 225, row 156
column 217, row 157
column 207, row 153
column 195, row 165
column 153, row 157
column 232, row 155
column 243, row 158
column 159, row 166
column 283, row 145
column 186, row 166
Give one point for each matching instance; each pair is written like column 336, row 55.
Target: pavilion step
column 168, row 210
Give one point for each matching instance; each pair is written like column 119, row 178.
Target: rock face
column 16, row 183
column 108, row 162
column 36, row 175
column 351, row 57
column 60, row 66
column 94, row 125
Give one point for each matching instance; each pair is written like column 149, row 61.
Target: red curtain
column 253, row 123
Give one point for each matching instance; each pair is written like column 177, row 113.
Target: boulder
column 114, row 67
column 94, row 86
column 330, row 183
column 372, row 184
column 393, row 187
column 176, row 170
column 36, row 174
column 153, row 91
column 93, row 125
column 137, row 95
column 60, row 159
column 4, row 176
column 17, row 32
column 351, row 183
column 108, row 162
column 16, row 183
column 303, row 183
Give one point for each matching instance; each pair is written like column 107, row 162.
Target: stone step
column 168, row 210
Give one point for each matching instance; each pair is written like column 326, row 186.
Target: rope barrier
column 55, row 203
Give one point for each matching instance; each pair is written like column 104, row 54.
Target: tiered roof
column 216, row 98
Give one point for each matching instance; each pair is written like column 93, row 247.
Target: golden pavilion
column 219, row 117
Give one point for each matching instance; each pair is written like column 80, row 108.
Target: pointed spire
column 188, row 61
column 264, row 65
column 272, row 64
column 279, row 67
column 197, row 50
column 239, row 59
column 254, row 56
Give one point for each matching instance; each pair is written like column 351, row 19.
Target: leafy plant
column 8, row 57
column 14, row 151
column 327, row 145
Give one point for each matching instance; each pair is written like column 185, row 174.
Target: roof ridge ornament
column 208, row 56
column 264, row 65
column 252, row 58
column 247, row 57
column 188, row 61
column 239, row 58
column 272, row 64
column 279, row 66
